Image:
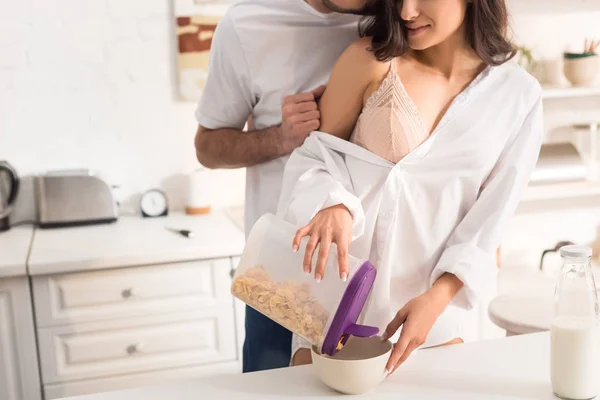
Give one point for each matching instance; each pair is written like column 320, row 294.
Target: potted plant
column 524, row 57
column 581, row 69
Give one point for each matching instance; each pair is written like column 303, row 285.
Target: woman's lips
column 416, row 30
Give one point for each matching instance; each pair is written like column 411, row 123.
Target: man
column 269, row 61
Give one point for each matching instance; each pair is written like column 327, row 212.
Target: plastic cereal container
column 270, row 279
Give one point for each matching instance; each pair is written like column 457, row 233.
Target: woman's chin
column 419, row 44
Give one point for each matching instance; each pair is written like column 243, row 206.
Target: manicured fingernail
column 388, row 371
column 318, row 278
column 344, row 276
column 384, row 337
column 295, row 248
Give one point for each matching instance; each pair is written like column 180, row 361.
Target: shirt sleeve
column 226, row 100
column 470, row 251
column 316, row 178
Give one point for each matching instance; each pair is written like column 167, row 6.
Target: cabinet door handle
column 134, row 348
column 127, row 293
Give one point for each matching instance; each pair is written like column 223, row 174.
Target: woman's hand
column 330, row 225
column 417, row 318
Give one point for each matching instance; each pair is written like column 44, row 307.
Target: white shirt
column 262, row 51
column 442, row 208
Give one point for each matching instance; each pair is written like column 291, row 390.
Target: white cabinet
column 19, row 376
column 133, row 345
column 129, row 292
column 112, row 306
column 123, row 327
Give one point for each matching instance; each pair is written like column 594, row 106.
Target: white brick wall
column 93, row 84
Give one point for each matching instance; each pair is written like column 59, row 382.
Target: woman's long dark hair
column 486, row 26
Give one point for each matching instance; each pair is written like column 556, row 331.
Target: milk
column 575, row 358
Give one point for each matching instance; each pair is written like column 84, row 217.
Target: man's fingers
column 318, row 91
column 309, row 116
column 303, row 107
column 309, row 126
column 292, row 109
column 299, row 98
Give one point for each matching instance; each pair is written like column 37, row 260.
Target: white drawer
column 108, row 294
column 108, row 348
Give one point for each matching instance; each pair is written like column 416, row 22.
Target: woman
column 448, row 130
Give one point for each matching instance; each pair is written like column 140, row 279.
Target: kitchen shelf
column 538, row 7
column 558, row 191
column 565, row 92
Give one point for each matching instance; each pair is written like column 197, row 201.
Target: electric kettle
column 9, row 188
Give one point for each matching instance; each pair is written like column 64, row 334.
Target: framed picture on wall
column 195, row 22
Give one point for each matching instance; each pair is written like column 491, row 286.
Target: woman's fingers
column 342, row 248
column 399, row 349
column 309, row 251
column 412, row 345
column 300, row 233
column 396, row 323
column 402, row 354
column 330, row 225
column 323, row 253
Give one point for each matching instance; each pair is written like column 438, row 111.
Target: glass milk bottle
column 575, row 333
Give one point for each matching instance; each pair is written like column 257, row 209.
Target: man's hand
column 300, row 116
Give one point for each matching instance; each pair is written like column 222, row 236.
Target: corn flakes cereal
column 288, row 303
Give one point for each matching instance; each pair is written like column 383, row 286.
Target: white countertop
column 14, row 246
column 517, row 367
column 134, row 240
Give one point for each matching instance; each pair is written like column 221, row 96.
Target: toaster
column 72, row 198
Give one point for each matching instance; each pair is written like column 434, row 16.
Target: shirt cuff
column 353, row 204
column 213, row 123
column 476, row 268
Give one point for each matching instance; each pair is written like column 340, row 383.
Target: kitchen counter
column 509, row 368
column 134, row 240
column 14, row 247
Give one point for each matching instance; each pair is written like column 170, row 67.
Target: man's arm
column 234, row 148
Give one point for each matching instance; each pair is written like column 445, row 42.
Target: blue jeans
column 267, row 344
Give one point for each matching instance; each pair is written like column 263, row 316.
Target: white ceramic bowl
column 357, row 368
column 582, row 71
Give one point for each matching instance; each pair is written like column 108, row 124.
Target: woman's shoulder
column 521, row 81
column 360, row 59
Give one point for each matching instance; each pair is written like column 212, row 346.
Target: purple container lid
column 349, row 309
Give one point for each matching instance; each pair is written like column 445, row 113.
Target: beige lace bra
column 389, row 124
